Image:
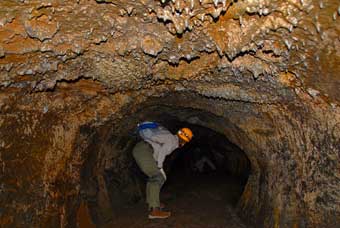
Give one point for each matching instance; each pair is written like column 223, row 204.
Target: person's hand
column 163, row 173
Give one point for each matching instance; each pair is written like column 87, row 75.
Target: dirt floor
column 196, row 201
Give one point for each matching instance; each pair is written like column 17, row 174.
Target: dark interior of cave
column 205, row 179
column 208, row 154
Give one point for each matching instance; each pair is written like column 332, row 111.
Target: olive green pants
column 143, row 154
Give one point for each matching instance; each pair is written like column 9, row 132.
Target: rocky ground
column 205, row 201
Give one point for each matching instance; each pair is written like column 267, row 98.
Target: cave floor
column 201, row 201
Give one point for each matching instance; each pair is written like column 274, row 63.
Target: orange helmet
column 185, row 134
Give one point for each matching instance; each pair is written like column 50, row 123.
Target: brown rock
column 151, row 45
column 41, row 28
column 77, row 76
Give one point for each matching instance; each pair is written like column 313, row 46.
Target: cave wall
column 293, row 149
column 267, row 69
column 108, row 181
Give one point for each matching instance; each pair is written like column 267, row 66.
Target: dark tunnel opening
column 216, row 172
column 207, row 174
column 210, row 159
column 206, row 178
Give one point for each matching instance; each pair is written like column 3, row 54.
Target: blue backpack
column 147, row 125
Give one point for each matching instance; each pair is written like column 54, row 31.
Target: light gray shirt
column 162, row 141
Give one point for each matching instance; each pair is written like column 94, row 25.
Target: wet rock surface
column 77, row 76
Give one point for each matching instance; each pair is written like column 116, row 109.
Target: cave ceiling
column 128, row 45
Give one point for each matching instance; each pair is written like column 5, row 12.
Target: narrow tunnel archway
column 209, row 169
column 263, row 132
column 206, row 179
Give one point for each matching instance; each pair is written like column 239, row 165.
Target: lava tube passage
column 204, row 183
column 170, row 113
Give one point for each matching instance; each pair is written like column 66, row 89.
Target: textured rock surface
column 263, row 73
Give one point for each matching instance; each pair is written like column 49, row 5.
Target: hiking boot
column 157, row 213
